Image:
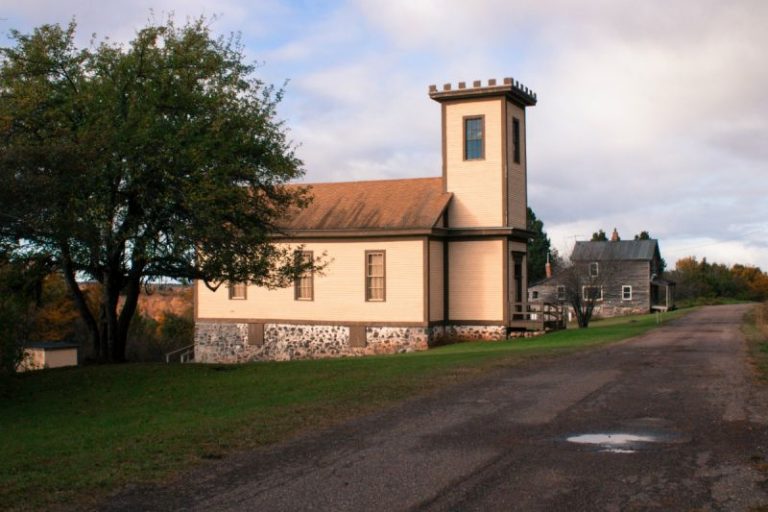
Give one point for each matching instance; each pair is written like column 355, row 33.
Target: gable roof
column 642, row 250
column 374, row 205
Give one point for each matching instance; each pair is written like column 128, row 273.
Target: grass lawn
column 756, row 331
column 72, row 435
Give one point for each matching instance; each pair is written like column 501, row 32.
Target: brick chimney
column 615, row 236
column 548, row 268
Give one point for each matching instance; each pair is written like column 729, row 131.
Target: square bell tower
column 484, row 156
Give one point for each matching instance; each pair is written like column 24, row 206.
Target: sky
column 651, row 115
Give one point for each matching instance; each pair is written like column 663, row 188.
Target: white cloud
column 651, row 116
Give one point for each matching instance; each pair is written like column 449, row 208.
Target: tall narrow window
column 516, row 139
column 304, row 286
column 594, row 269
column 237, row 291
column 626, row 292
column 473, row 138
column 375, row 276
column 560, row 292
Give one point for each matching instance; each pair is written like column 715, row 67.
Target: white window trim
column 624, row 287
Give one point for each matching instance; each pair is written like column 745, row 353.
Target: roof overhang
column 434, row 232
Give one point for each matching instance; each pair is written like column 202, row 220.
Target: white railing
column 185, row 354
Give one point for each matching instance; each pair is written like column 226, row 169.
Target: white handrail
column 178, row 350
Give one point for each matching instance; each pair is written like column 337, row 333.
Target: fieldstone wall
column 229, row 343
column 393, row 340
column 476, row 332
column 221, row 342
column 525, row 334
column 609, row 310
column 283, row 342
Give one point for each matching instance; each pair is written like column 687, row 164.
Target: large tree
column 159, row 159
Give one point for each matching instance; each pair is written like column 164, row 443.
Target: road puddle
column 614, row 442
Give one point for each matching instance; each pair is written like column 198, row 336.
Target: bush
column 11, row 337
column 150, row 339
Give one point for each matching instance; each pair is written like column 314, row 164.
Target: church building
column 410, row 262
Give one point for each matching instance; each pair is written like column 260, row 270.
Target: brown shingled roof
column 383, row 204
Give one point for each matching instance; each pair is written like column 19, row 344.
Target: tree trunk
column 80, row 302
column 119, row 344
column 114, row 346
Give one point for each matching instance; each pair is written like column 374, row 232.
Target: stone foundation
column 221, row 343
column 229, row 342
column 476, row 332
column 608, row 311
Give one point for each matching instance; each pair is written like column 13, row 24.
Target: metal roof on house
column 372, row 205
column 615, row 251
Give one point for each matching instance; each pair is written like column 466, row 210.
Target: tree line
column 702, row 280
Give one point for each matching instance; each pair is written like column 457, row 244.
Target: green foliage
column 127, row 164
column 12, row 317
column 701, row 280
column 643, row 235
column 150, row 339
column 599, row 236
column 539, row 247
column 20, row 291
column 76, row 434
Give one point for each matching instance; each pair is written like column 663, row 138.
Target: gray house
column 625, row 276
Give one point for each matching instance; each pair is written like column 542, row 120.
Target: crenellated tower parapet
column 509, row 87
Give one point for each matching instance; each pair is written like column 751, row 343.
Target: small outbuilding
column 49, row 354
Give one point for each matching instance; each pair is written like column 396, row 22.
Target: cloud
column 651, row 116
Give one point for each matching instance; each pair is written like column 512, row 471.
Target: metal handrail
column 178, row 350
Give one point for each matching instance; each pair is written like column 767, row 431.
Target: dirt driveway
column 666, row 421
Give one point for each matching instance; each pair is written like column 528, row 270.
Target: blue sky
column 652, row 115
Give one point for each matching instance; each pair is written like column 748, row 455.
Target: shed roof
column 381, row 204
column 51, row 345
column 615, row 251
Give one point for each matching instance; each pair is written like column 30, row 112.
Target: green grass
column 72, row 435
column 710, row 301
column 755, row 329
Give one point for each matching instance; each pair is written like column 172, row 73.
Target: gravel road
column 672, row 420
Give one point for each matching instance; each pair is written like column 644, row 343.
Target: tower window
column 516, row 139
column 474, row 138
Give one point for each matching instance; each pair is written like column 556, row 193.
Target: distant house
column 626, row 273
column 410, row 261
